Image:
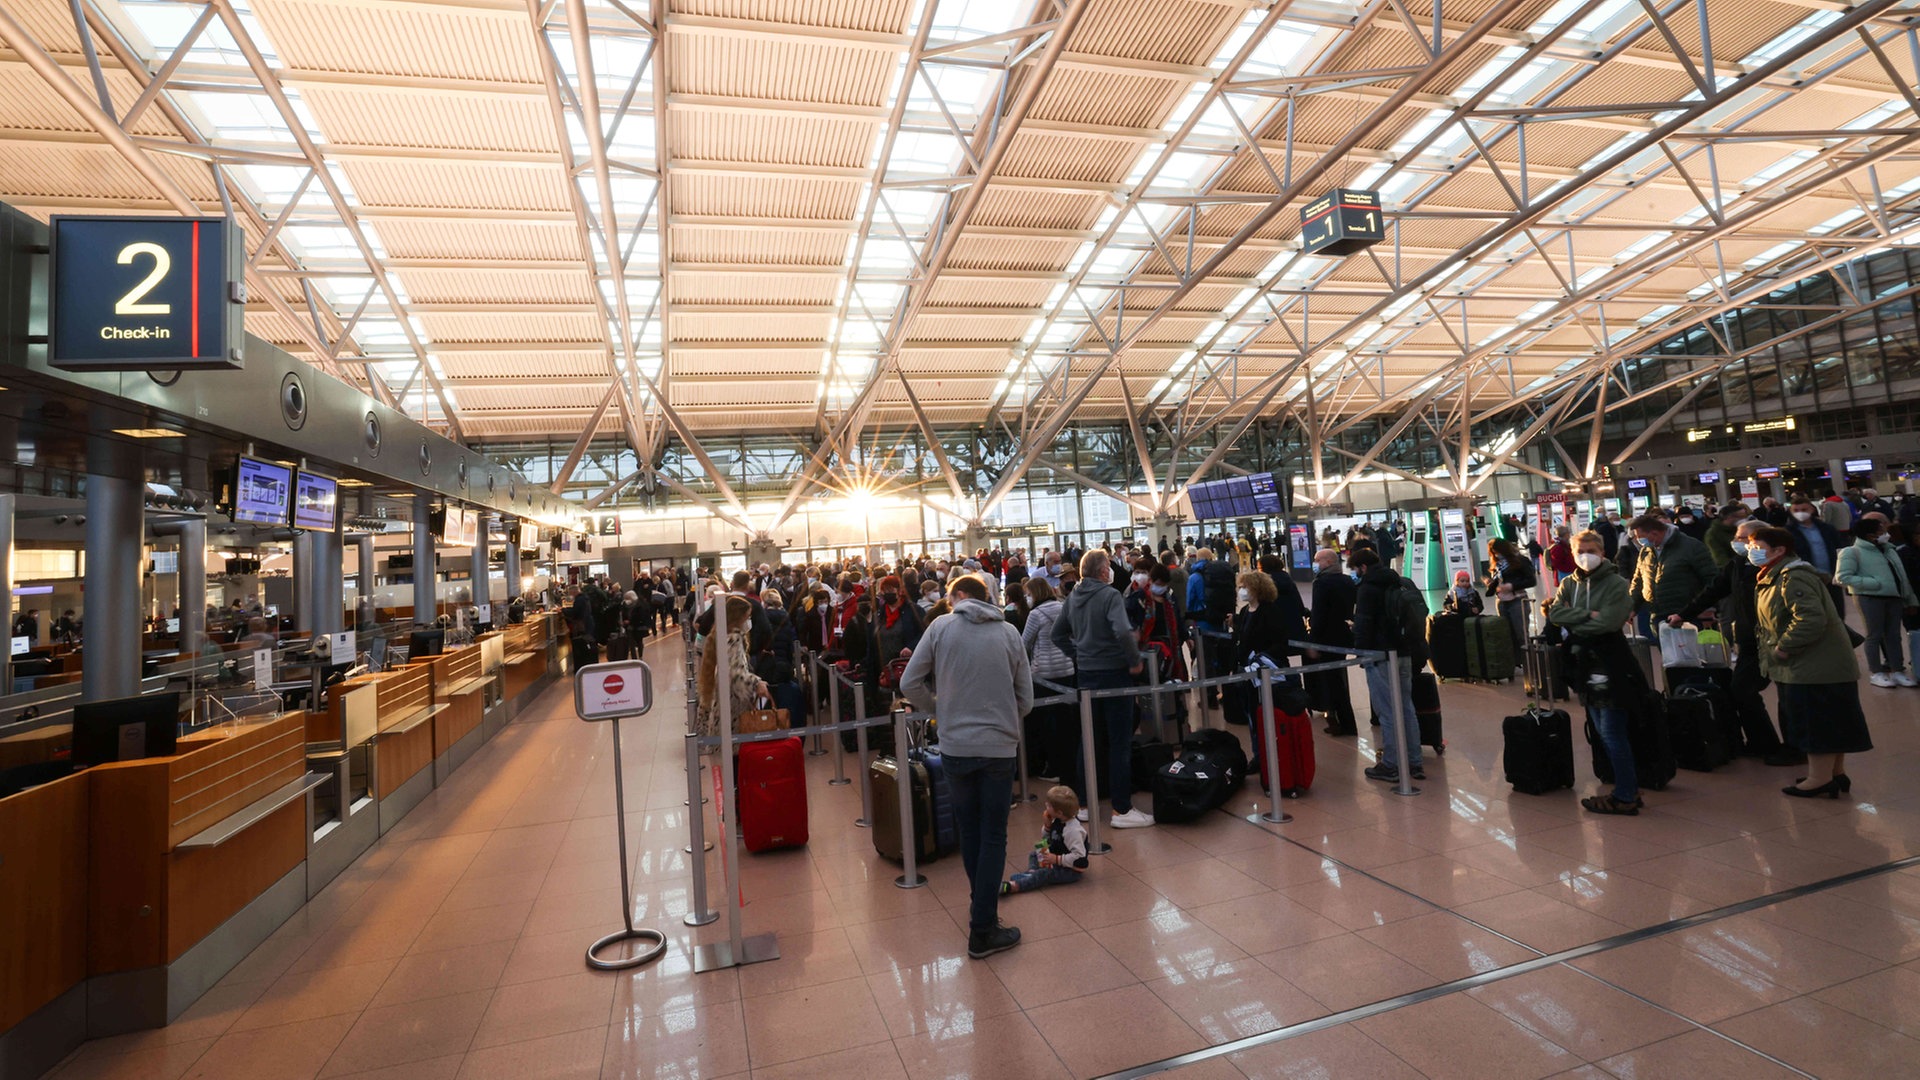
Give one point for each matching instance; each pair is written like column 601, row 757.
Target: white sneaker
column 1083, row 815
column 1882, row 679
column 1901, row 678
column 1132, row 819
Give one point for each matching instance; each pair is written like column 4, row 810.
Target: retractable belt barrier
column 839, row 682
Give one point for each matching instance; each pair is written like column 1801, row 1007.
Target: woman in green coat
column 1804, row 647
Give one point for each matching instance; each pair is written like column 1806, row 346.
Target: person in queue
column 971, row 670
column 1592, row 604
column 1093, row 628
column 1670, row 570
column 1871, row 571
column 1331, row 624
column 745, row 689
column 1377, row 626
column 1804, row 647
column 1731, row 596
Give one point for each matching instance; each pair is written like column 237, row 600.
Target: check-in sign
column 613, row 691
column 138, row 293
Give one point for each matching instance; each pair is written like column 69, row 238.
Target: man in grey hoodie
column 1093, row 628
column 970, row 670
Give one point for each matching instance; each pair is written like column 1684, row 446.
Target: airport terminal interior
column 1245, row 538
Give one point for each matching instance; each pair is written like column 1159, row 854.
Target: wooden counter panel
column 458, row 719
column 403, row 692
column 206, row 886
column 36, row 746
column 43, row 895
column 401, row 756
column 127, row 865
column 220, row 775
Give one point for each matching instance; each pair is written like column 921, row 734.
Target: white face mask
column 1803, row 515
column 1588, row 560
column 1739, row 547
column 1246, row 597
column 1140, row 580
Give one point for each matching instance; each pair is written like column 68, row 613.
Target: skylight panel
column 961, row 88
column 977, row 18
column 914, row 209
column 1775, row 252
column 238, row 117
column 321, row 241
column 920, row 153
column 1185, row 171
column 1780, row 168
column 1809, row 24
column 1844, row 218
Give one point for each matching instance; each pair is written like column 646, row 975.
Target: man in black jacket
column 1331, row 625
column 1377, row 624
column 1731, row 594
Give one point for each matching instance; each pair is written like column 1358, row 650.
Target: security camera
column 60, row 519
column 81, row 520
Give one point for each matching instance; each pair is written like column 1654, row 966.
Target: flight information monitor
column 316, row 502
column 1240, row 496
column 261, row 491
column 146, row 293
column 1266, row 494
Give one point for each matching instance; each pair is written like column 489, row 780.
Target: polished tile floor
column 453, row 949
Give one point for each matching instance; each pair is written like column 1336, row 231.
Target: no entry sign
column 612, row 691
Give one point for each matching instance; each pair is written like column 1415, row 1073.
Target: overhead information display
column 1254, row 495
column 145, row 293
column 316, row 500
column 1341, row 222
column 260, row 492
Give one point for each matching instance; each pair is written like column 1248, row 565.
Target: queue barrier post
column 697, row 843
column 737, row 950
column 1159, row 708
column 1270, row 751
column 1409, row 740
column 1092, row 770
column 909, row 839
column 865, row 820
column 839, row 748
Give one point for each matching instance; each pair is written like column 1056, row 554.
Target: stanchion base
column 1258, row 817
column 1397, row 791
column 689, row 848
column 699, row 918
column 719, row 955
column 862, row 823
column 917, row 882
column 817, row 752
column 645, row 955
column 839, row 781
column 1103, row 848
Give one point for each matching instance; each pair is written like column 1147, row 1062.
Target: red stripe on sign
column 196, row 288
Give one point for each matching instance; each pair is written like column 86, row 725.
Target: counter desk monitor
column 426, row 643
column 125, row 729
column 22, row 646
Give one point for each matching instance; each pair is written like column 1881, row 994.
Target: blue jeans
column 1381, row 687
column 1611, row 721
column 1113, row 735
column 1037, row 876
column 982, row 794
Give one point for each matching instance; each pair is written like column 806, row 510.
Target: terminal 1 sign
column 146, row 293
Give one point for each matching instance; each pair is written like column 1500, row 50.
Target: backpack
column 1406, row 612
column 1218, row 581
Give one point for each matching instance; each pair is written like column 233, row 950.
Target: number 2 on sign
column 130, row 304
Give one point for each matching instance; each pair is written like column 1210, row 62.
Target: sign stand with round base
column 610, row 692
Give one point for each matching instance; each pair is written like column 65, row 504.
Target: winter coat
column 1670, row 574
column 1868, row 568
column 1796, row 616
column 1047, row 659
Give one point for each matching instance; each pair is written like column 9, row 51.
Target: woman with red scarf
column 896, row 622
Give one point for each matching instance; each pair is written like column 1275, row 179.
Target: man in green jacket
column 1591, row 604
column 1720, row 534
column 1672, row 568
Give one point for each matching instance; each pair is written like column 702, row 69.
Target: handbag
column 755, row 721
column 1679, row 646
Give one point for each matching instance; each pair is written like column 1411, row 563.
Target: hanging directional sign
column 1341, row 222
column 146, row 293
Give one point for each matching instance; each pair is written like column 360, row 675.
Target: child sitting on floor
column 1061, row 855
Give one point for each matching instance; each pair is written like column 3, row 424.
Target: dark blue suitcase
column 946, row 829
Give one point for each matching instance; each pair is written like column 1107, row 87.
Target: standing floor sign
column 613, row 692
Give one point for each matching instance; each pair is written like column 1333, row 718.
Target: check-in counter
column 43, row 924
column 182, row 846
column 402, row 741
column 462, row 690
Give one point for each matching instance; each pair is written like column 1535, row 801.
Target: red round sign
column 612, row 684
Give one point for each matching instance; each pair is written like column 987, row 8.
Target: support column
column 424, row 611
column 193, row 583
column 512, row 528
column 363, row 613
column 1837, row 478
column 325, row 594
column 303, row 571
column 6, row 582
column 1165, row 530
column 116, row 521
column 482, row 572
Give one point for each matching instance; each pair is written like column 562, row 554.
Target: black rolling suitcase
column 1539, row 750
column 1546, row 666
column 1426, row 708
column 618, row 647
column 1700, row 724
column 1447, row 645
column 1647, row 732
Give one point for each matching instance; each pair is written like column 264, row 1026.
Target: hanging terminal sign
column 146, row 293
column 1341, row 222
column 1784, row 423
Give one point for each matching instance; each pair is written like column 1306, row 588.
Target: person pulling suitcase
column 1592, row 604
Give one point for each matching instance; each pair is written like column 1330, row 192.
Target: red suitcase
column 1293, row 737
column 773, row 794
